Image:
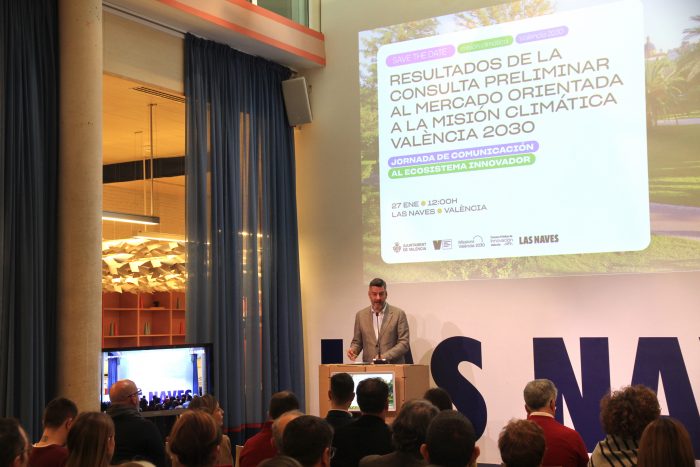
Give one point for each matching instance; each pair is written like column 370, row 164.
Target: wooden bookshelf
column 143, row 319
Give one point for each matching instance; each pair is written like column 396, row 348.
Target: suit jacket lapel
column 387, row 318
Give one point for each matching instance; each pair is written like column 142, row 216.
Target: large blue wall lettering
column 662, row 356
column 444, row 367
column 552, row 362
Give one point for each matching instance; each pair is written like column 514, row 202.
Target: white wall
column 504, row 315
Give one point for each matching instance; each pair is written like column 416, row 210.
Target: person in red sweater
column 50, row 450
column 564, row 446
column 260, row 447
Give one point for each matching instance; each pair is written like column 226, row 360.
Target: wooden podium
column 410, row 382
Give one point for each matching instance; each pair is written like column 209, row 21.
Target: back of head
column 194, row 439
column 411, row 425
column 123, row 392
column 342, row 388
column 522, row 444
column 439, row 398
column 12, row 441
column 665, row 443
column 450, row 439
column 628, row 411
column 282, row 402
column 306, row 438
column 207, row 403
column 58, row 411
column 538, row 393
column 90, row 440
column 372, row 395
column 279, row 425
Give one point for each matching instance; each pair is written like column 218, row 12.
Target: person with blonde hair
column 665, row 443
column 195, row 440
column 209, row 404
column 90, row 440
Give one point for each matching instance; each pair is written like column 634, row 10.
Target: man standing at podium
column 381, row 331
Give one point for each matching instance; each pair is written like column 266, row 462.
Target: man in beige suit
column 381, row 331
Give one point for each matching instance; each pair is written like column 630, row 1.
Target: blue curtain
column 28, row 211
column 243, row 277
column 112, row 369
column 195, row 375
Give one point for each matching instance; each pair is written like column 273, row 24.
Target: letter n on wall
column 552, row 362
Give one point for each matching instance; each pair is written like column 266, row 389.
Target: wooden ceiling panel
column 125, row 134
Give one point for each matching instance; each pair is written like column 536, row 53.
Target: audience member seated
column 280, row 424
column 136, row 437
column 564, row 446
column 14, row 444
column 280, row 461
column 408, row 434
column 50, row 450
column 450, row 441
column 260, row 446
column 308, row 440
column 439, row 398
column 209, row 404
column 665, row 443
column 195, row 440
column 624, row 414
column 90, row 440
column 368, row 434
column 522, row 444
column 341, row 394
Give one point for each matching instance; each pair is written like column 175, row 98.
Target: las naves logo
column 530, row 239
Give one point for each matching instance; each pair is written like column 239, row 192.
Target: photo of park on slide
column 670, row 89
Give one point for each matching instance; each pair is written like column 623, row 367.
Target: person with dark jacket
column 369, row 434
column 136, row 438
column 341, row 395
column 408, row 434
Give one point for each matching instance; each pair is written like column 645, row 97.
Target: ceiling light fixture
column 167, row 237
column 139, row 218
column 130, row 218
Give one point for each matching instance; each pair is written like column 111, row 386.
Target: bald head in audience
column 280, row 424
column 124, row 392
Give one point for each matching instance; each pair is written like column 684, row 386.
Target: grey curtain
column 28, row 173
column 243, row 291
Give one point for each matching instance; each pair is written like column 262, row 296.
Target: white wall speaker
column 296, row 101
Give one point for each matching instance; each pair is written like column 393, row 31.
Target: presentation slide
column 512, row 139
column 502, row 141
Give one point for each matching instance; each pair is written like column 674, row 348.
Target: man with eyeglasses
column 14, row 444
column 136, row 438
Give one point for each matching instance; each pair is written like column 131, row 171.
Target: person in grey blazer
column 381, row 331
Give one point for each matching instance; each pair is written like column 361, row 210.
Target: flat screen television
column 161, row 371
column 387, row 376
